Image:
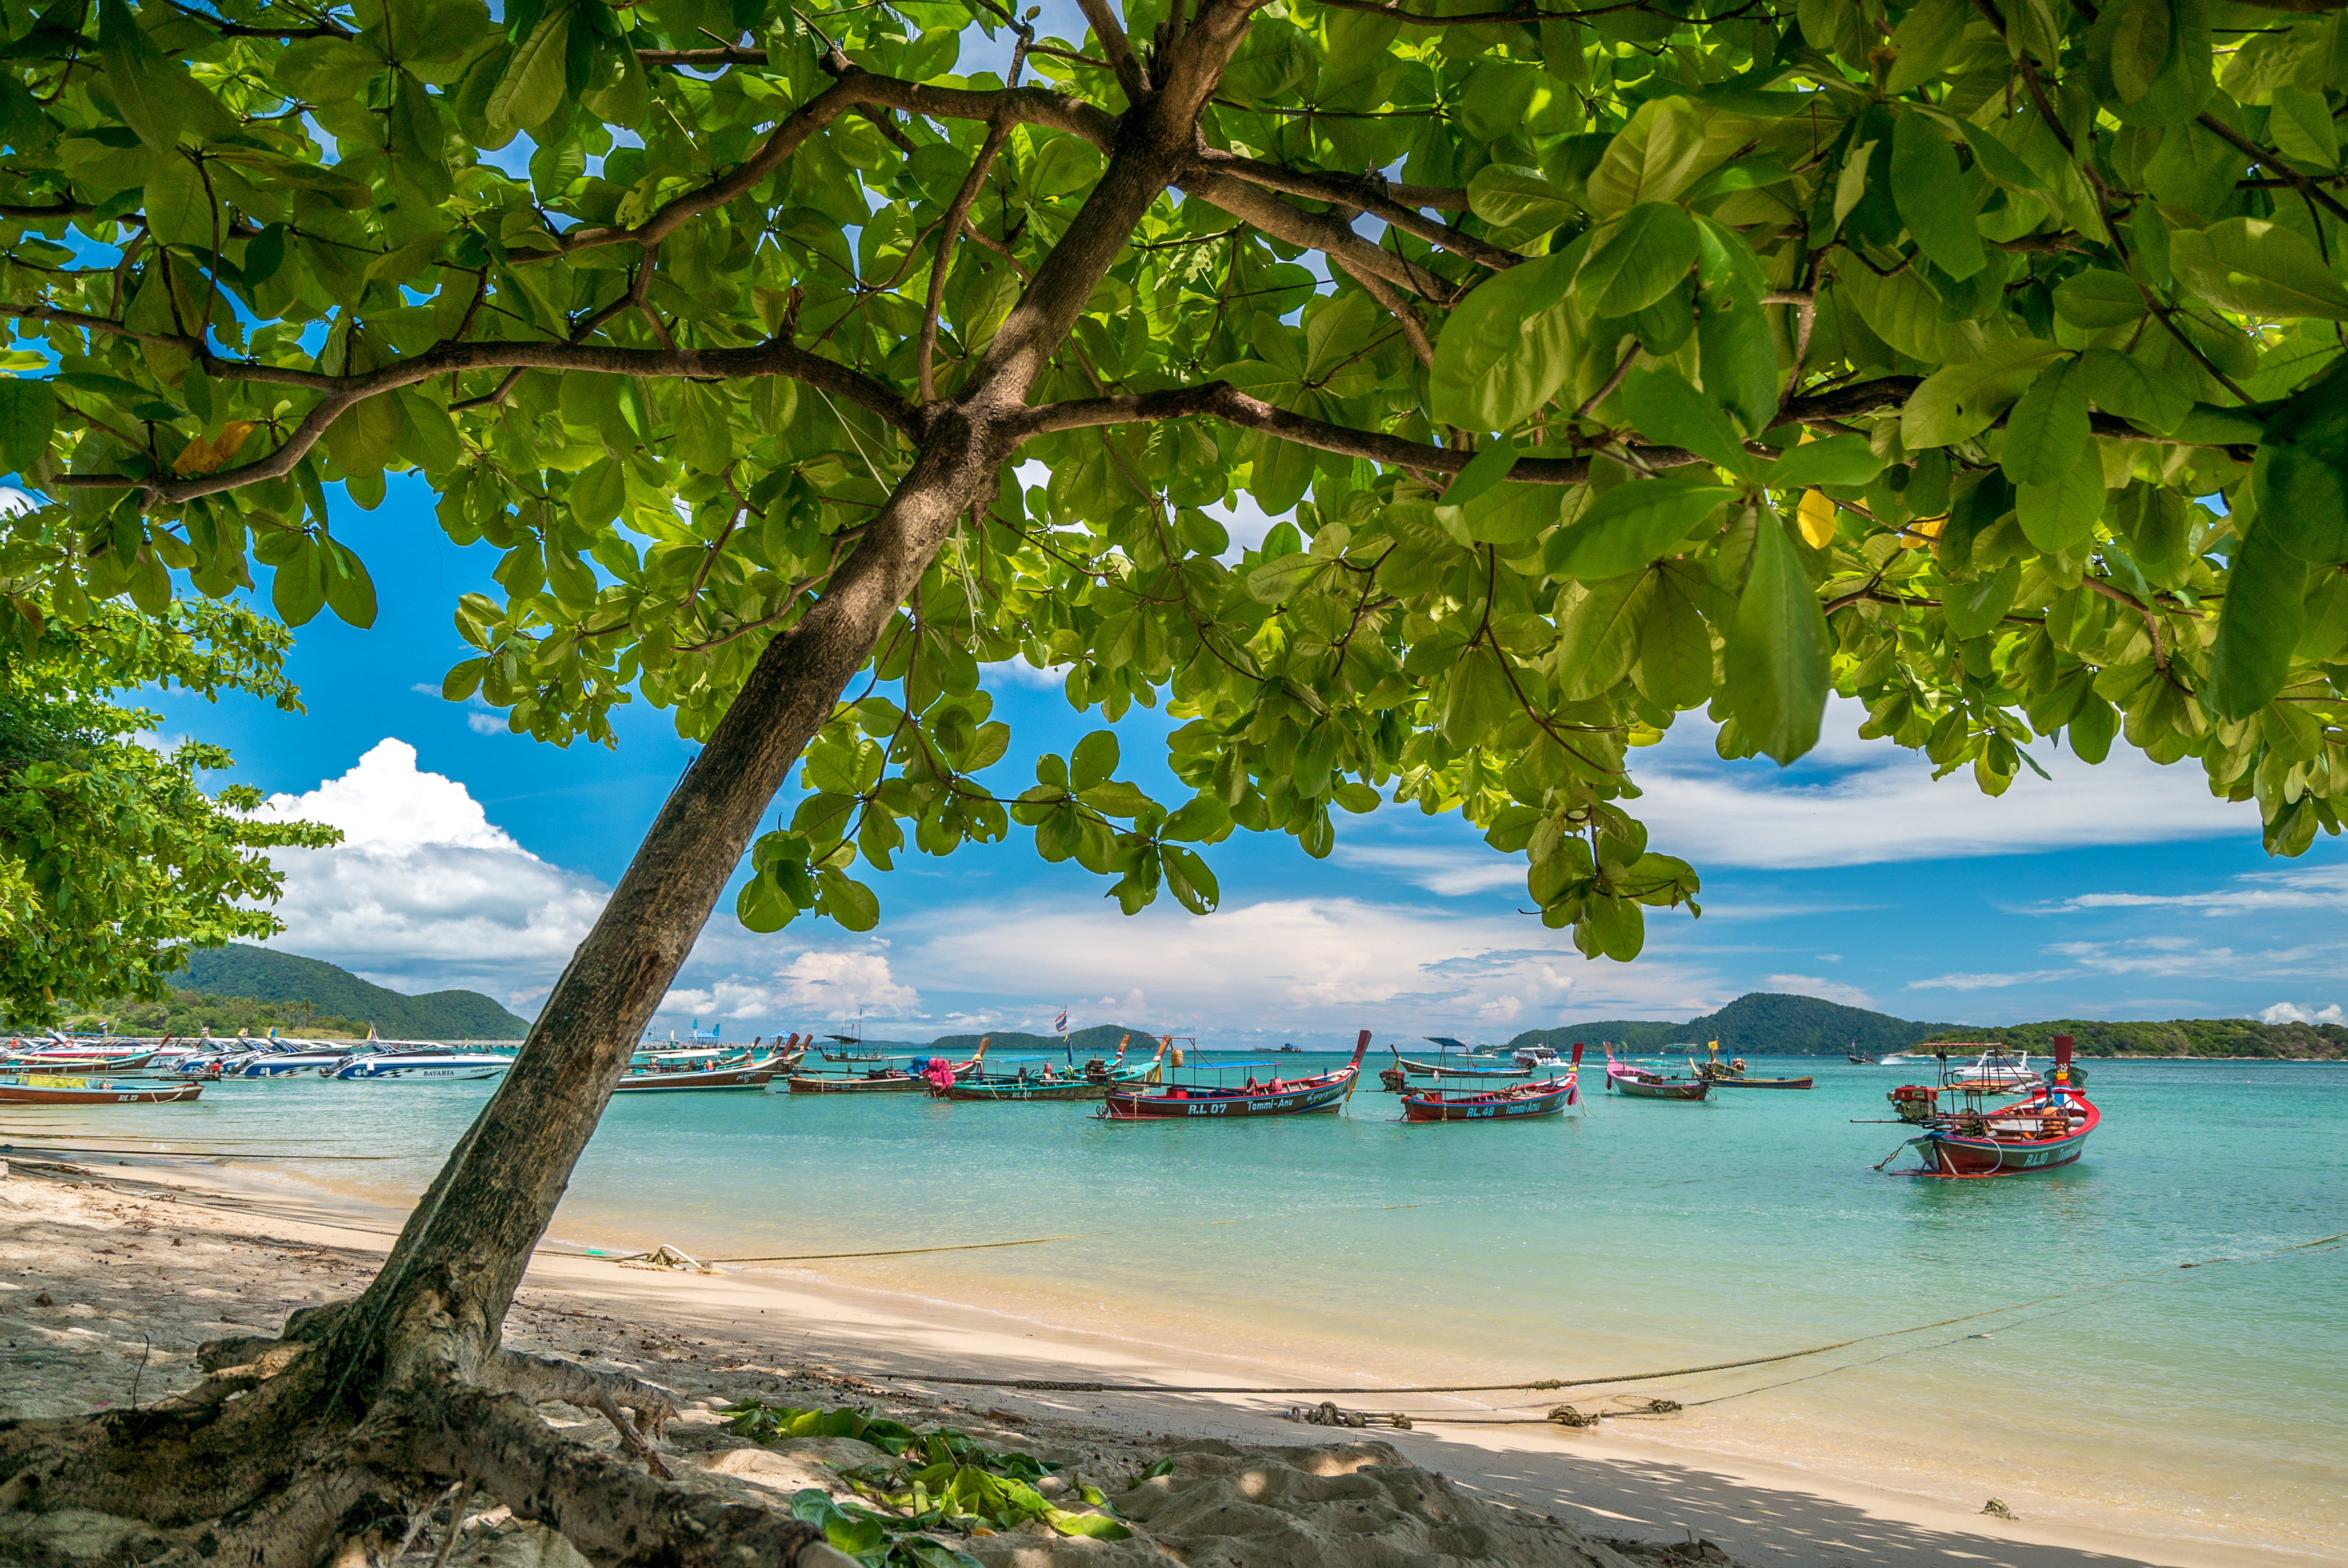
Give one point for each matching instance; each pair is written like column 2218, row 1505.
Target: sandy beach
column 110, row 1276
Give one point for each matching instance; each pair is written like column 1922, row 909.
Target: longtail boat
column 1545, row 1099
column 1090, row 1081
column 1645, row 1083
column 2042, row 1132
column 50, row 1089
column 1323, row 1092
column 668, row 1072
column 1732, row 1074
column 885, row 1079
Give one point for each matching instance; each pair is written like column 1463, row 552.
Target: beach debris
column 1998, row 1510
column 664, row 1256
column 1567, row 1416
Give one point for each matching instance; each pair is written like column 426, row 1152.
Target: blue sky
column 477, row 859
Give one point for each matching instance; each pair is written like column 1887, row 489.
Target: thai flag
column 1060, row 1024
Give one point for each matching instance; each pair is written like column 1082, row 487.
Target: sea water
column 1627, row 1236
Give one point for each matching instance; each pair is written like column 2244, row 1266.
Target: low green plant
column 936, row 1480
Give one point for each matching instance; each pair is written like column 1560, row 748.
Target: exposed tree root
column 269, row 1463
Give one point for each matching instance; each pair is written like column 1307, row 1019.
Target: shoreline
column 1609, row 1480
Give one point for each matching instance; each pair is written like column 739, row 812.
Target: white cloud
column 1986, row 982
column 2252, row 893
column 424, row 891
column 1293, row 963
column 486, row 724
column 1454, row 873
column 2291, row 1012
column 1823, row 989
column 1855, row 801
column 844, row 981
column 1829, row 957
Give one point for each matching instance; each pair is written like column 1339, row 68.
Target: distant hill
column 2205, row 1037
column 1761, row 1023
column 264, row 975
column 1098, row 1040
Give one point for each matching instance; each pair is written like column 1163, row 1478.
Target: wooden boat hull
column 1678, row 1089
column 722, row 1077
column 1125, row 1105
column 1948, row 1154
column 1548, row 1099
column 1763, row 1083
column 816, row 1083
column 1324, row 1094
column 42, row 1088
column 1075, row 1089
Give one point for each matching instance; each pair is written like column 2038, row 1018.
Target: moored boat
column 1645, row 1083
column 2042, row 1132
column 432, row 1065
column 1321, row 1093
column 1998, row 1069
column 57, row 1088
column 1733, row 1075
column 1090, row 1081
column 1548, row 1098
column 886, row 1078
column 665, row 1073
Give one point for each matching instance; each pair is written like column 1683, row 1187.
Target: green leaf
column 1483, row 470
column 2301, row 477
column 1962, row 401
column 1189, row 880
column 1508, row 347
column 156, row 98
column 1922, row 43
column 2304, row 129
column 350, row 592
column 299, row 589
column 849, row 901
column 1275, row 582
column 1508, row 196
column 1636, row 260
column 28, row 416
column 2258, row 627
column 1735, row 343
column 1652, row 158
column 1777, row 662
column 2095, row 299
column 2257, row 269
column 2118, row 384
column 1998, row 161
column 179, row 211
column 1674, row 667
column 2141, row 46
column 1632, row 524
column 1836, row 461
column 1093, row 761
column 1930, row 195
column 2062, row 514
column 2046, row 427
column 1664, row 409
column 533, row 82
column 1975, row 609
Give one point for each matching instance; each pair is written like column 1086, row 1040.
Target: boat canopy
column 1446, row 1042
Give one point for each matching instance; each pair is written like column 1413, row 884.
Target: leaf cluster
column 1979, row 362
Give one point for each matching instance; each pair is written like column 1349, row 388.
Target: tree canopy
column 113, row 861
column 1978, row 361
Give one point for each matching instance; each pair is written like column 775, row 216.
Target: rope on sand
column 1054, row 1386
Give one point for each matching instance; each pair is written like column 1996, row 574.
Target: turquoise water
column 2209, row 1402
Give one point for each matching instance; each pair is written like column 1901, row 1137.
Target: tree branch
column 2272, row 160
column 925, row 354
column 1119, row 48
column 1372, row 196
column 1314, row 230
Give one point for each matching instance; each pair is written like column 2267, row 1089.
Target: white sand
column 138, row 1268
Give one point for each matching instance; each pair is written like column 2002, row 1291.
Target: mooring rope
column 1071, row 1386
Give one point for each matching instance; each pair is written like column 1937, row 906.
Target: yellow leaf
column 1816, row 517
column 1922, row 531
column 207, row 453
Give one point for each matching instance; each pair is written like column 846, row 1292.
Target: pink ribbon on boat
column 939, row 1072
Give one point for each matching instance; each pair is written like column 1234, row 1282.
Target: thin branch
column 1119, row 48
column 2300, row 182
column 1373, row 196
column 1315, row 231
column 925, row 354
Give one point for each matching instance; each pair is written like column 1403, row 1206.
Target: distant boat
column 1998, row 1069
column 1534, row 1057
column 1090, row 1081
column 1734, row 1076
column 1859, row 1058
column 428, row 1065
column 1645, row 1083
column 1323, row 1093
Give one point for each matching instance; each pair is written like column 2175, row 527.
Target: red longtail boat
column 2043, row 1132
column 1322, row 1092
column 1548, row 1098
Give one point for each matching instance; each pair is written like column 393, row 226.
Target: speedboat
column 1998, row 1069
column 289, row 1059
column 433, row 1064
column 1538, row 1056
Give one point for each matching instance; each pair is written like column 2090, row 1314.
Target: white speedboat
column 289, row 1059
column 430, row 1065
column 1538, row 1057
column 1998, row 1069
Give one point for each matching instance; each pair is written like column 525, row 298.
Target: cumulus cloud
column 1821, row 988
column 424, row 891
column 2291, row 1012
column 1855, row 801
column 2251, row 893
column 1293, row 963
